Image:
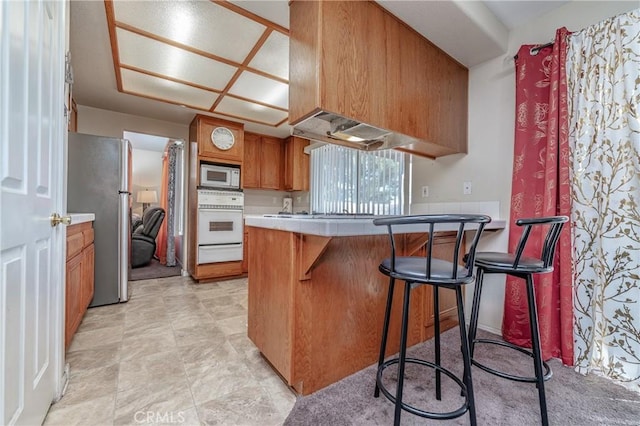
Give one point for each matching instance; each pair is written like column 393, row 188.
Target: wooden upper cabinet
column 251, row 164
column 271, row 159
column 263, row 162
column 296, row 164
column 201, row 129
column 357, row 60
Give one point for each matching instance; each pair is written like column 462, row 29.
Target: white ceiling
column 481, row 34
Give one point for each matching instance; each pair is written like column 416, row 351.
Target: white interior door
column 32, row 135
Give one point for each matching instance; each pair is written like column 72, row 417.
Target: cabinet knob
column 56, row 219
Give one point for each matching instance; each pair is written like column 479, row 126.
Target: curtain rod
column 535, row 50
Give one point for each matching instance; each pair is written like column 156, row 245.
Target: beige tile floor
column 176, row 353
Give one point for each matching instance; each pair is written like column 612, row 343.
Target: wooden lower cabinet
column 245, row 252
column 443, row 246
column 316, row 304
column 79, row 277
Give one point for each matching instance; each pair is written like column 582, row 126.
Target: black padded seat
column 415, row 268
column 428, row 270
column 521, row 266
column 503, row 262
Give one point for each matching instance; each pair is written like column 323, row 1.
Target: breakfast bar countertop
column 338, row 225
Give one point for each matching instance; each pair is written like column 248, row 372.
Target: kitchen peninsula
column 316, row 298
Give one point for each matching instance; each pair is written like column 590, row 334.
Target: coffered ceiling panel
column 212, row 56
column 162, row 59
column 254, row 86
column 251, row 112
column 202, row 25
column 158, row 88
column 276, row 46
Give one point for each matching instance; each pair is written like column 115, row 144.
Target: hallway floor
column 176, row 353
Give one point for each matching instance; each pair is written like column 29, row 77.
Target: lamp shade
column 147, row 196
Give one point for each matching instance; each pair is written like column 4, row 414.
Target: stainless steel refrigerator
column 99, row 182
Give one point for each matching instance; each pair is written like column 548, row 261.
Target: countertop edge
column 77, row 218
column 340, row 227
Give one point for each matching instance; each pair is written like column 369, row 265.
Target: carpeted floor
column 154, row 270
column 572, row 399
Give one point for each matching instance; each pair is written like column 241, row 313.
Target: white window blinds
column 345, row 180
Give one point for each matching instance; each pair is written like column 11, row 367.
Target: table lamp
column 147, row 197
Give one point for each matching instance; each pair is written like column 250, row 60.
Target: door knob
column 57, row 219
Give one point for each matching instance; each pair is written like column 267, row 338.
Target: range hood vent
column 332, row 128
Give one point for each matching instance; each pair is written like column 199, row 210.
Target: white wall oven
column 219, row 176
column 220, row 222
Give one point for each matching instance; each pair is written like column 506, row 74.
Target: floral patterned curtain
column 604, row 95
column 165, row 248
column 541, row 188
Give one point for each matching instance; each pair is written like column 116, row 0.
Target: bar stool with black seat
column 428, row 270
column 519, row 265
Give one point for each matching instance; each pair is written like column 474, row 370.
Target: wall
column 261, row 201
column 147, row 174
column 488, row 165
column 103, row 122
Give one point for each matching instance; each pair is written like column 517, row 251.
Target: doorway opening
column 158, row 198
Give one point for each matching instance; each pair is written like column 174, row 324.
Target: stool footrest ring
column 547, row 370
column 418, row 412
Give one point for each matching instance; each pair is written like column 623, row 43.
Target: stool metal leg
column 403, row 352
column 436, row 338
column 475, row 310
column 537, row 353
column 466, row 357
column 385, row 330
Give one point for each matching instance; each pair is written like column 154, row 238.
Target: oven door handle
column 229, row 245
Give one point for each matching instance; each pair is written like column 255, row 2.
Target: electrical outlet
column 298, row 199
column 425, row 191
column 466, row 188
column 274, row 200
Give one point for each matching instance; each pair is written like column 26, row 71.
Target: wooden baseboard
column 217, row 271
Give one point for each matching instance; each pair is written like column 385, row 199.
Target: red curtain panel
column 541, row 188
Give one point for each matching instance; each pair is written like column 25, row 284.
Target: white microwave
column 219, row 176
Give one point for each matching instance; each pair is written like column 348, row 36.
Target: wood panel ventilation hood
column 361, row 78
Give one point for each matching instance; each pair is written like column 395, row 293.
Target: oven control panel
column 218, row 200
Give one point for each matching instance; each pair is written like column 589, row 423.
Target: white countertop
column 341, row 227
column 77, row 218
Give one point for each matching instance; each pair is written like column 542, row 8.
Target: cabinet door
column 296, row 165
column 251, row 164
column 287, row 178
column 271, row 163
column 206, row 148
column 88, row 259
column 73, row 309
